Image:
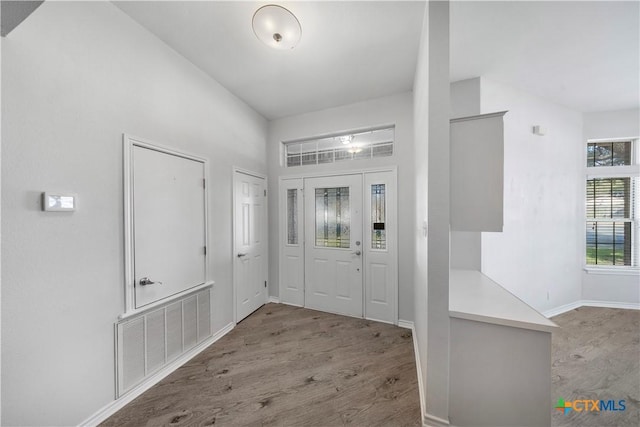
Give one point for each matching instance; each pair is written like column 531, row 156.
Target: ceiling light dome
column 276, row 27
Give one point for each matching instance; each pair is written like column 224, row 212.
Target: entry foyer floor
column 289, row 366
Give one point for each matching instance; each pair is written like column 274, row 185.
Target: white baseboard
column 416, row 352
column 590, row 303
column 407, row 324
column 611, row 304
column 433, row 421
column 274, row 300
column 428, row 420
column 562, row 309
column 291, row 304
column 113, row 407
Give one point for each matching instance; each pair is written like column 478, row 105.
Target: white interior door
column 249, row 244
column 169, row 229
column 333, row 244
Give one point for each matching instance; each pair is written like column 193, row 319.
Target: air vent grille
column 148, row 342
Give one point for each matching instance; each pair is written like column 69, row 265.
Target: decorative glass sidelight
column 333, row 217
column 292, row 216
column 378, row 213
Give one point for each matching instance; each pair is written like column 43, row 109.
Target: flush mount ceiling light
column 276, row 27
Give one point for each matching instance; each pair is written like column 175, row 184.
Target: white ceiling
column 349, row 51
column 584, row 55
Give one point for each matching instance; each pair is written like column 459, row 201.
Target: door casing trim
column 128, row 143
column 339, row 173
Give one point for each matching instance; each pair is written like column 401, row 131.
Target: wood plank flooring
column 289, row 366
column 596, row 355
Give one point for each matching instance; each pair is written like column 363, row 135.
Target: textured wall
column 538, row 256
column 75, row 76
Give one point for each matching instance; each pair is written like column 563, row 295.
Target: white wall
column 395, row 109
column 611, row 287
column 75, row 76
column 419, row 238
column 431, row 236
column 489, row 361
column 0, row 245
column 612, row 124
column 438, row 216
column 465, row 245
column 465, row 98
column 538, row 256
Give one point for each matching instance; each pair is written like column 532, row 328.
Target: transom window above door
column 355, row 145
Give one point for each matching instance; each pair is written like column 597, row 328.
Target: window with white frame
column 612, row 205
column 340, row 147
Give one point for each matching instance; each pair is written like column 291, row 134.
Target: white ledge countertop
column 474, row 296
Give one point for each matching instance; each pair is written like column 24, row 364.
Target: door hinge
column 204, row 183
column 205, row 250
column 265, row 283
column 265, row 193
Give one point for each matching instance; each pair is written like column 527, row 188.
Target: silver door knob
column 357, row 253
column 146, row 281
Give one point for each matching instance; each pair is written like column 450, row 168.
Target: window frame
column 602, row 172
column 325, row 156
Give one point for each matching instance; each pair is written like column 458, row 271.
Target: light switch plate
column 59, row 202
column 539, row 130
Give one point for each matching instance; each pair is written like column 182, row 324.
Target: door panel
column 249, row 236
column 379, row 285
column 258, row 278
column 381, row 265
column 323, row 277
column 333, row 244
column 343, row 279
column 169, row 224
column 292, row 273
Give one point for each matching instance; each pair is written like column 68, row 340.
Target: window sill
column 622, row 271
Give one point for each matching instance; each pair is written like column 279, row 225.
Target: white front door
column 333, row 244
column 250, row 275
column 169, row 223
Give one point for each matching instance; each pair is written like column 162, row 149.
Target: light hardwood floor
column 596, row 355
column 288, row 366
